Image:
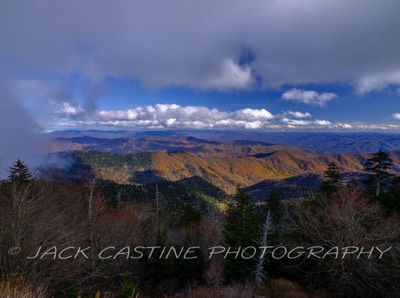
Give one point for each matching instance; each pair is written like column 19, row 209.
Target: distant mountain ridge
column 187, row 140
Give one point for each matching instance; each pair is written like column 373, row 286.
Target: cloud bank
column 199, row 44
column 173, row 116
column 226, row 45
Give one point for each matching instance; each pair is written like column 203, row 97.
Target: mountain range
column 131, row 141
column 257, row 165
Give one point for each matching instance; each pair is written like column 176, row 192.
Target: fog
column 18, row 133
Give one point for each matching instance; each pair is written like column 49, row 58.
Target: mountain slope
column 223, row 171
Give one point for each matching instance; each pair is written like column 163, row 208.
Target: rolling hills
column 244, row 166
column 257, row 165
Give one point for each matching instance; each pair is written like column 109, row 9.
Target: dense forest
column 85, row 236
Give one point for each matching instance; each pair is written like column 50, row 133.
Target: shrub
column 15, row 287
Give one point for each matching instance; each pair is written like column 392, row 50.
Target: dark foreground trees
column 242, row 229
column 380, row 182
column 332, row 180
column 50, row 212
column 346, row 219
column 377, row 175
column 47, row 215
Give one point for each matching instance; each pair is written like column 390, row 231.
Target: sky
column 274, row 65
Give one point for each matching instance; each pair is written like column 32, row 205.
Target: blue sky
column 261, row 65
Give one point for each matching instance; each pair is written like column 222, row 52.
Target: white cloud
column 298, row 114
column 322, row 122
column 70, row 110
column 297, row 122
column 308, row 97
column 378, row 82
column 251, row 114
column 362, row 126
column 344, row 125
column 396, row 116
column 230, row 76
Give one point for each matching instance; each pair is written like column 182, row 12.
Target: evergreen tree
column 377, row 175
column 19, row 173
column 352, row 183
column 242, row 229
column 332, row 179
column 393, row 199
column 274, row 205
column 159, row 268
column 189, row 215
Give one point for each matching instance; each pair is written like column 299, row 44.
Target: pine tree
column 241, row 229
column 157, row 267
column 19, row 173
column 332, row 179
column 274, row 205
column 377, row 175
column 393, row 199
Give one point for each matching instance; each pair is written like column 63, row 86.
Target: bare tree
column 259, row 271
column 347, row 220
